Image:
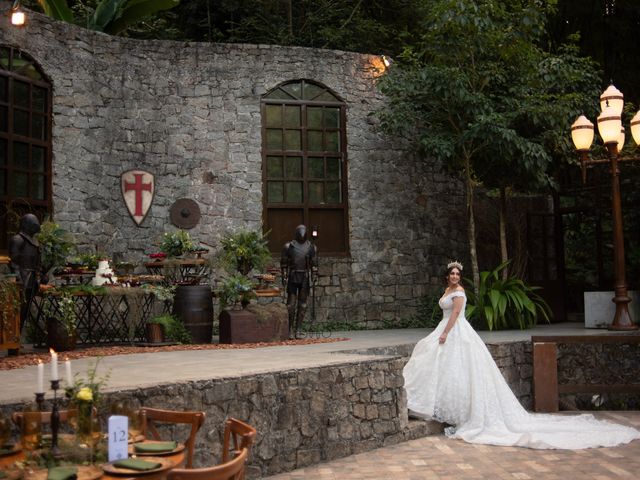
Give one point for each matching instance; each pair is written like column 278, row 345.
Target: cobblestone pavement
column 437, row 457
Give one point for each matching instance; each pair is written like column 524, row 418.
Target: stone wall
column 190, row 113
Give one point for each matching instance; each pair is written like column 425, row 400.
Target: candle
column 54, row 365
column 40, row 382
column 67, row 369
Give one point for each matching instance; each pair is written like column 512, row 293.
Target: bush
column 173, row 328
column 504, row 304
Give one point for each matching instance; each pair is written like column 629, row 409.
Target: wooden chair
column 231, row 470
column 241, row 434
column 150, row 417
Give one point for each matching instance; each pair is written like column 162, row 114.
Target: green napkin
column 137, row 464
column 62, row 473
column 155, row 447
column 2, row 474
column 5, row 450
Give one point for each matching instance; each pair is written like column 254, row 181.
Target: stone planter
column 599, row 308
column 256, row 323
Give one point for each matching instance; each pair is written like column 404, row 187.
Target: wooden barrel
column 194, row 306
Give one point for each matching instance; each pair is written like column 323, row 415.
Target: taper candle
column 54, row 365
column 40, row 382
column 67, row 370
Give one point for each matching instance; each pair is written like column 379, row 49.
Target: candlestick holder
column 55, row 419
column 40, row 401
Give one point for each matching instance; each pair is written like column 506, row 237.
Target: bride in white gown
column 451, row 377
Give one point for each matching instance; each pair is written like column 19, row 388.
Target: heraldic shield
column 138, row 189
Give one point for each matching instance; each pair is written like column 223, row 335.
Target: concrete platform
column 132, row 371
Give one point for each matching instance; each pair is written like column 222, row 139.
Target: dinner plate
column 166, row 464
column 16, row 449
column 132, row 450
column 85, row 472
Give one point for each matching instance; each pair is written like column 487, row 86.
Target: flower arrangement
column 236, row 288
column 176, row 243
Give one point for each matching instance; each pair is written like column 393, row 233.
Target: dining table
column 169, row 461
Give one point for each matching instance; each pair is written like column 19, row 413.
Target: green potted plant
column 56, row 244
column 237, row 324
column 177, row 243
column 60, row 313
column 235, row 289
column 245, row 251
column 504, row 304
column 166, row 327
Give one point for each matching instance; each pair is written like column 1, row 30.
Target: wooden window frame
column 305, row 206
column 12, row 206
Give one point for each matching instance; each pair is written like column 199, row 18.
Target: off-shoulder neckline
column 451, row 293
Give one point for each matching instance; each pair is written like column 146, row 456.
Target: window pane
column 293, row 89
column 21, row 123
column 314, row 117
column 314, row 141
column 39, row 99
column 4, row 124
column 332, row 117
column 333, row 168
column 37, row 187
column 291, row 116
column 3, row 89
column 294, row 167
column 275, row 192
column 292, row 140
column 328, row 97
column 333, row 141
column 274, row 139
column 21, row 94
column 316, row 167
column 315, row 192
column 19, row 184
column 274, row 115
column 3, row 152
column 4, row 58
column 274, row 167
column 3, row 182
column 311, row 91
column 21, row 155
column 38, row 127
column 279, row 95
column 37, row 159
column 333, row 192
column 294, row 192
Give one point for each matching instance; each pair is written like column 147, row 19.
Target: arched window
column 25, row 141
column 305, row 165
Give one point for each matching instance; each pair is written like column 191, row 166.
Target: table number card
column 118, row 437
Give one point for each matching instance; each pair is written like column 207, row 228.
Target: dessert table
column 118, row 314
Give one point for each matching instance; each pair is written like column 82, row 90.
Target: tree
column 109, row 16
column 480, row 96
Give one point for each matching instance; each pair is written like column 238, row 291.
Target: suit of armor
column 298, row 268
column 24, row 251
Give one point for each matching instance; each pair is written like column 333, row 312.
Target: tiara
column 455, row 264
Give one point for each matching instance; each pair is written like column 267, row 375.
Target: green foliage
column 9, row 301
column 428, row 315
column 176, row 243
column 173, row 328
column 56, row 245
column 161, row 292
column 62, row 309
column 94, row 383
column 109, row 16
column 245, row 251
column 503, row 304
column 234, row 289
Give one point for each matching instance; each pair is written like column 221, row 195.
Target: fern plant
column 504, row 304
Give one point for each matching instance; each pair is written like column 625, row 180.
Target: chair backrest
column 237, row 435
column 231, row 470
column 150, row 417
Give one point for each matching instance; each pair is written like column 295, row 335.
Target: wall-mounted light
column 386, row 60
column 17, row 15
column 314, row 232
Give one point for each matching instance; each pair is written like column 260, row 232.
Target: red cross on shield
column 138, row 189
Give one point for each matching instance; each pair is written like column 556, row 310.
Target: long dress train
column 459, row 383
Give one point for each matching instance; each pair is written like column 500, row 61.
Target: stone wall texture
column 190, row 114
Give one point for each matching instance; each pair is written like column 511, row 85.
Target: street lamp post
column 613, row 136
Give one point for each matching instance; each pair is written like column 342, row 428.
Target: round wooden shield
column 185, row 213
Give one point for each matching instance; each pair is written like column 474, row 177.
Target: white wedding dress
column 459, row 383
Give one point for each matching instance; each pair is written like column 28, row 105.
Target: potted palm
column 236, row 323
column 60, row 311
column 245, row 251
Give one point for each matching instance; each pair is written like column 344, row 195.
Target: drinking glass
column 128, row 409
column 5, row 430
column 31, row 430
